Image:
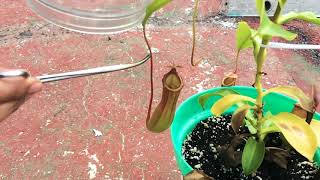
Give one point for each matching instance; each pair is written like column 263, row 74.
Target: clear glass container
column 91, row 16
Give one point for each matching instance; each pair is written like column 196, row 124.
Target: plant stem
column 194, row 19
column 277, row 14
column 258, row 85
column 261, row 57
column 237, row 62
column 151, row 73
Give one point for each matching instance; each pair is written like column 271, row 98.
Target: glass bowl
column 91, row 16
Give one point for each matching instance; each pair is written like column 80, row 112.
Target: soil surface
column 201, row 151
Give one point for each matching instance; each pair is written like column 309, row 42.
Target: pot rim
column 191, row 117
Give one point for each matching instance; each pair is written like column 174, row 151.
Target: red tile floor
column 51, row 136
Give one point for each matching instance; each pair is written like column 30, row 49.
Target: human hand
column 14, row 92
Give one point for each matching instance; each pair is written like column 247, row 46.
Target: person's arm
column 14, row 92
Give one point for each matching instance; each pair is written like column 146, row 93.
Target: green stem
column 260, row 61
column 254, row 124
column 261, row 57
column 277, row 14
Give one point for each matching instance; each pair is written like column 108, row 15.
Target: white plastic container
column 92, row 16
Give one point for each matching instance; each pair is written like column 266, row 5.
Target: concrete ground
column 51, row 136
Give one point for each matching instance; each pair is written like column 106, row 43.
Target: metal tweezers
column 73, row 74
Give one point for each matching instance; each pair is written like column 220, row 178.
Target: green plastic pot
column 190, row 113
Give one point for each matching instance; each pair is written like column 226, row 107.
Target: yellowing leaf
column 226, row 102
column 315, row 126
column 296, row 93
column 222, row 92
column 297, row 132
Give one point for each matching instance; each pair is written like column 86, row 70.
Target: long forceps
column 73, row 74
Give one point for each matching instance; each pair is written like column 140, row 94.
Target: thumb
column 12, row 89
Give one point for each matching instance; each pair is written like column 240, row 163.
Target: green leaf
column 252, row 117
column 305, row 16
column 268, row 28
column 251, row 122
column 305, row 102
column 221, row 93
column 253, row 155
column 243, row 36
column 153, row 7
column 250, row 126
column 226, row 102
column 297, row 132
column 238, row 117
column 282, row 3
column 256, row 40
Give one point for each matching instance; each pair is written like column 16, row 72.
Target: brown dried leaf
column 229, row 80
column 197, row 175
column 299, row 111
column 238, row 117
column 232, row 157
column 278, row 156
column 228, row 152
column 238, row 139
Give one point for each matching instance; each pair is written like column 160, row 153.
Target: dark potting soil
column 201, row 151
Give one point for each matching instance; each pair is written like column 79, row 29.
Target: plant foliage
column 303, row 137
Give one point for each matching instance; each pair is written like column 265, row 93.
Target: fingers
column 8, row 108
column 13, row 89
column 36, row 86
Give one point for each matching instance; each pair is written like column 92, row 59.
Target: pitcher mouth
column 86, row 21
